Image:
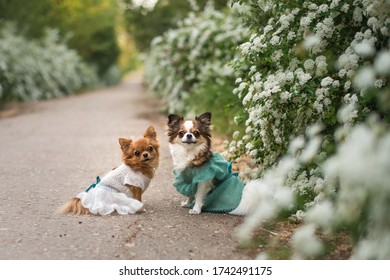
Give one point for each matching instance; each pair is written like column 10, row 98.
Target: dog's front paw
column 194, row 211
column 187, row 202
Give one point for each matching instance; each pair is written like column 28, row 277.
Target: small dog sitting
column 203, row 176
column 121, row 189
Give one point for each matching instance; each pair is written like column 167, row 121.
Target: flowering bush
column 192, row 60
column 31, row 70
column 314, row 81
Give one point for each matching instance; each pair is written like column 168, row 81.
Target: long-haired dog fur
column 140, row 157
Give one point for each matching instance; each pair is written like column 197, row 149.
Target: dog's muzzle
column 189, row 138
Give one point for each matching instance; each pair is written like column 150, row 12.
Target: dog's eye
column 137, row 153
column 181, row 133
column 196, row 133
column 150, row 148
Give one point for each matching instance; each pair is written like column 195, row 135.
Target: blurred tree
column 145, row 22
column 90, row 25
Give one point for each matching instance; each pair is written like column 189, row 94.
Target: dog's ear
column 205, row 118
column 150, row 133
column 174, row 120
column 125, row 143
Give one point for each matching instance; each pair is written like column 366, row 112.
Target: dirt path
column 56, row 150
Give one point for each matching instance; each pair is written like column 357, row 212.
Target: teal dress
column 227, row 191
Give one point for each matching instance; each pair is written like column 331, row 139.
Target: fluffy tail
column 74, row 207
column 249, row 200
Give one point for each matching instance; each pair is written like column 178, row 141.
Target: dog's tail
column 250, row 198
column 73, row 207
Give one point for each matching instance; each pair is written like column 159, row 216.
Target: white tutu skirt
column 104, row 200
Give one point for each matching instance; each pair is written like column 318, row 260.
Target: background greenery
column 89, row 25
column 146, row 23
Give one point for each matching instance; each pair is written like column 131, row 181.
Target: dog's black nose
column 189, row 136
column 145, row 155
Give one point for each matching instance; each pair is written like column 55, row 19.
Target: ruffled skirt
column 104, row 200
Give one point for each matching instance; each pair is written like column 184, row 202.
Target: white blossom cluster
column 196, row 52
column 32, row 70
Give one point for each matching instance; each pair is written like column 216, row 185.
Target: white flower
column 322, row 214
column 348, row 113
column 364, row 78
column 242, row 86
column 299, row 215
column 296, row 145
column 257, row 42
column 319, row 186
column 334, row 3
column 342, row 73
column 378, row 83
column 345, row 8
column 325, row 28
column 382, row 63
column 326, row 82
column 314, row 130
column 336, row 83
column 277, row 55
column 289, row 76
column 275, row 40
column 268, row 28
column 364, row 49
column 283, row 197
column 305, row 21
column 236, row 134
column 306, row 243
column 323, row 8
column 313, row 6
column 358, row 14
column 245, row 47
column 374, row 23
column 321, row 65
column 291, row 35
column 285, row 20
column 311, row 149
column 311, row 42
column 309, row 64
column 303, row 77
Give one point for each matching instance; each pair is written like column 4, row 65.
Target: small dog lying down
column 121, row 189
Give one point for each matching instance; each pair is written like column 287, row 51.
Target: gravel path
column 57, row 148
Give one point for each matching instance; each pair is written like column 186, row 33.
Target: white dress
column 111, row 194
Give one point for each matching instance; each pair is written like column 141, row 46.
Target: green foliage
column 146, row 23
column 89, row 24
column 32, row 69
column 216, row 98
